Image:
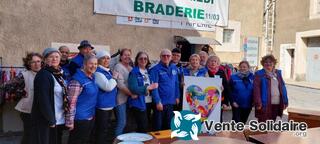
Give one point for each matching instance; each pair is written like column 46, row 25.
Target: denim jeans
column 121, row 118
column 163, row 118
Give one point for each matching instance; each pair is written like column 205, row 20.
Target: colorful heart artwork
column 203, row 102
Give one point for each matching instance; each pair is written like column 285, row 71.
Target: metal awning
column 197, row 40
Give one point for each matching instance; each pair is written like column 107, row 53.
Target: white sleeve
column 103, row 83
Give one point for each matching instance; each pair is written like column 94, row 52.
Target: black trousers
column 149, row 111
column 43, row 134
column 81, row 132
column 141, row 119
column 56, row 134
column 27, row 128
column 102, row 125
column 240, row 114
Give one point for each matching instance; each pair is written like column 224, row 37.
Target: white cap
column 101, row 53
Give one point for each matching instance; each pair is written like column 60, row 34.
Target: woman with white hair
column 83, row 95
column 213, row 64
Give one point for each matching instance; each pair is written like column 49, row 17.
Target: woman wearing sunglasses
column 139, row 84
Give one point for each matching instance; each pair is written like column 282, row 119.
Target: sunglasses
column 166, row 55
column 143, row 58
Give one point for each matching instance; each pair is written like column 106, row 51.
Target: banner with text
column 148, row 22
column 213, row 12
column 251, row 50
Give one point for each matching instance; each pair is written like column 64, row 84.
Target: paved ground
column 301, row 97
column 313, row 85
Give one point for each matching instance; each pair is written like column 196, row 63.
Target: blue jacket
column 87, row 100
column 242, row 90
column 262, row 89
column 76, row 62
column 106, row 99
column 136, row 86
column 202, row 72
column 167, row 78
column 66, row 72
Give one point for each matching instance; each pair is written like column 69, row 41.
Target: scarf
column 213, row 71
column 271, row 74
column 58, row 75
column 244, row 76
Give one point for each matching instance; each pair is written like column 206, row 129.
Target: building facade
column 297, row 39
column 33, row 25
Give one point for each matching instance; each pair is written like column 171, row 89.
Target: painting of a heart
column 202, row 101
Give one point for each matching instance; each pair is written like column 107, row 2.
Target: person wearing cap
column 50, row 100
column 65, row 62
column 167, row 94
column 83, row 96
column 106, row 81
column 85, row 48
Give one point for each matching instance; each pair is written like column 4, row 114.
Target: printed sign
column 213, row 12
column 148, row 22
column 251, row 47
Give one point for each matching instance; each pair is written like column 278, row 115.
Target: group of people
column 81, row 94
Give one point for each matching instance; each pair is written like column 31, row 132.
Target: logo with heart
column 203, row 102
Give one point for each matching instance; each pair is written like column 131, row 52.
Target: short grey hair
column 213, row 57
column 194, row 55
column 89, row 57
column 203, row 52
column 164, row 51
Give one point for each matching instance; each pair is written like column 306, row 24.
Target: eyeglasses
column 33, row 62
column 166, row 55
column 143, row 58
